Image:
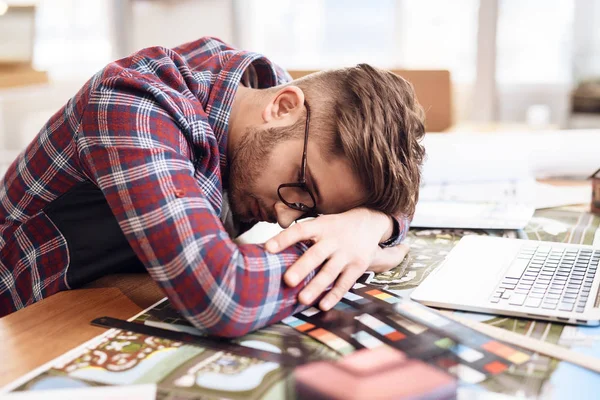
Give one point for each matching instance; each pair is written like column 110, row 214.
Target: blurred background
column 489, row 65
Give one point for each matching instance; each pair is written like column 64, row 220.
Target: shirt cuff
column 398, row 233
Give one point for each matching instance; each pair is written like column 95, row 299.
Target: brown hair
column 377, row 125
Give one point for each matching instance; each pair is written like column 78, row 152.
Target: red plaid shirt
column 145, row 138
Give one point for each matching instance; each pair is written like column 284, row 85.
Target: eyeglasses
column 297, row 195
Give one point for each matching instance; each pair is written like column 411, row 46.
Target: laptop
column 522, row 278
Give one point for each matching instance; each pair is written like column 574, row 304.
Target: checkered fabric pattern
column 150, row 131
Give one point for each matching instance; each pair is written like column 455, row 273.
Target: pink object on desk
column 382, row 373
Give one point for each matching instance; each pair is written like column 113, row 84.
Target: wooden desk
column 37, row 334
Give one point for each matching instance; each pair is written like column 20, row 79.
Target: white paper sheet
column 259, row 233
column 547, row 196
column 475, row 205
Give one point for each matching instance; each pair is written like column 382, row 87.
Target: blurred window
column 316, row 34
column 534, row 41
column 439, row 34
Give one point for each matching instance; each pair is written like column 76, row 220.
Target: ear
column 286, row 104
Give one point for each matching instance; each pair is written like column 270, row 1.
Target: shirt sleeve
column 401, row 225
column 130, row 146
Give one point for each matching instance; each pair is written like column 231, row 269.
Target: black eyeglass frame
column 301, row 184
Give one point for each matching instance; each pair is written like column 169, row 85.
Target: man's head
column 362, row 148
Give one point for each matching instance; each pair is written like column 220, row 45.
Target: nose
column 286, row 215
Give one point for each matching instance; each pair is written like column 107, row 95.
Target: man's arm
column 346, row 245
column 131, row 147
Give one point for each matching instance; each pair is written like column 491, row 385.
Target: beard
column 247, row 163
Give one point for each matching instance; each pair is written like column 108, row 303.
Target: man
column 130, row 175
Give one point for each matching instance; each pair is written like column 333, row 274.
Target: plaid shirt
column 149, row 132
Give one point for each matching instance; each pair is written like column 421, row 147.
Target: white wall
column 23, row 111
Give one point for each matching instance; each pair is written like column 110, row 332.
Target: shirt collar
column 263, row 73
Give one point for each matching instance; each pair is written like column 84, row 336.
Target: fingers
column 310, row 260
column 389, row 258
column 324, row 279
column 307, row 230
column 343, row 284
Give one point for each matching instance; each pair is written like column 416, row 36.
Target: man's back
column 130, row 174
column 78, row 202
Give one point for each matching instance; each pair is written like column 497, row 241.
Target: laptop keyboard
column 547, row 277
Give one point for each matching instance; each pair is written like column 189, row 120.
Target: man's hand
column 388, row 258
column 348, row 245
